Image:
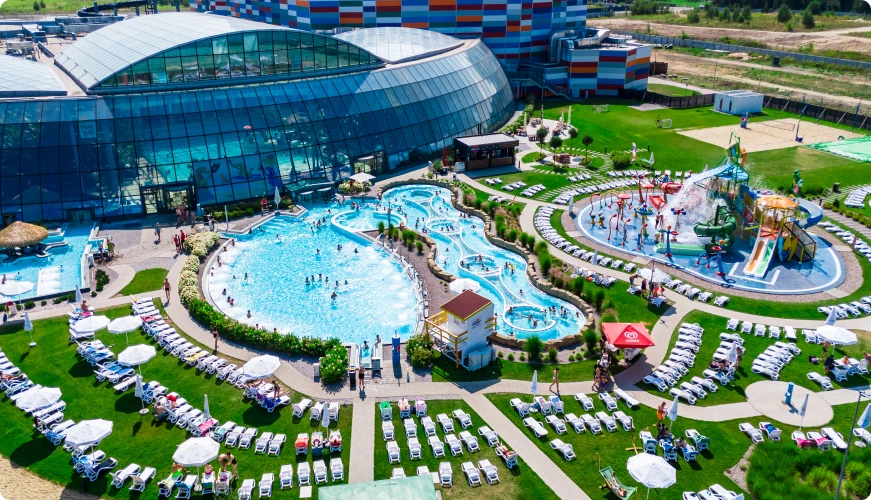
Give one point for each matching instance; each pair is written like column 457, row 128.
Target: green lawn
column 622, row 126
column 796, row 371
column 26, row 6
column 135, row 439
column 519, row 482
column 531, row 157
column 728, row 444
column 147, row 280
column 671, row 90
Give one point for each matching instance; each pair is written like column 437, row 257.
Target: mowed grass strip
column 517, row 482
column 147, row 280
column 136, row 439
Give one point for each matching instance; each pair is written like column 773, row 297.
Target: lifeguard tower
column 460, row 330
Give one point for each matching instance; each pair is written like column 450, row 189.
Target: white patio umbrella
column 28, row 327
column 652, row 471
column 865, row 420
column 78, row 295
column 125, row 325
column 534, row 387
column 732, row 355
column 836, row 335
column 653, row 275
column 196, row 452
column 206, row 413
column 672, row 412
column 11, row 288
column 88, row 432
column 41, row 397
column 261, row 366
column 595, row 259
column 135, row 356
column 362, row 177
column 91, row 324
column 458, row 286
column 833, row 316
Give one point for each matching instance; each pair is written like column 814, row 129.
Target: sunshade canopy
column 460, row 285
column 627, row 335
column 836, row 335
column 91, row 324
column 652, row 471
column 22, row 234
column 196, row 452
column 135, row 355
column 261, row 366
column 125, row 324
column 88, row 432
column 11, row 288
column 37, row 398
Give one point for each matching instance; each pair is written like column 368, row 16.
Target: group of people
column 183, row 215
column 179, row 240
column 602, row 372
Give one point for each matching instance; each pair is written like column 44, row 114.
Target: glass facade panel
column 235, row 143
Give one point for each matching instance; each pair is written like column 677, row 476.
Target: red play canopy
column 627, row 335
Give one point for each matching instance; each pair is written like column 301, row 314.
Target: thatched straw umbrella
column 22, row 234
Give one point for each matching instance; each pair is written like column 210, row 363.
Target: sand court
column 766, row 135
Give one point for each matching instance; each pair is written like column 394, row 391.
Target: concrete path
column 849, row 224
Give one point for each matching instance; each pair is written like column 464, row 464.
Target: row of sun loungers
column 850, row 239
column 493, row 181
column 856, row 197
column 714, row 492
column 667, row 376
column 514, row 185
column 855, row 308
column 533, row 190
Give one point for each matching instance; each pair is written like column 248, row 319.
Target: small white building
column 738, row 102
column 462, row 327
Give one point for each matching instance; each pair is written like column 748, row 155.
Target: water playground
column 716, row 226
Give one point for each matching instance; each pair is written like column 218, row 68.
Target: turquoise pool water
column 523, row 309
column 59, row 272
column 373, row 296
column 378, row 298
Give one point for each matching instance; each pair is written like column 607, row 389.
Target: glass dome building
column 194, row 108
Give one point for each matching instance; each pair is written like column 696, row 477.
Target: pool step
column 49, row 281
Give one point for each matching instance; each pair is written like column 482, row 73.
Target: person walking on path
column 157, row 231
column 167, row 288
column 215, row 336
column 232, row 459
column 555, row 381
column 361, row 376
column 660, row 412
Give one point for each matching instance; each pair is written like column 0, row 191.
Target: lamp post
column 862, row 394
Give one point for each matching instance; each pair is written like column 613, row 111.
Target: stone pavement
column 849, row 223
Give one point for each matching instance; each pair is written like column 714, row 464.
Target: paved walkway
column 849, row 223
column 362, row 440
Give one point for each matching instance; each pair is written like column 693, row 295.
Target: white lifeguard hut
column 461, row 328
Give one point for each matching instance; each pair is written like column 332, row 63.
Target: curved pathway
column 363, row 438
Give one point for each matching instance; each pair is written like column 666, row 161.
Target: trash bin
column 836, row 187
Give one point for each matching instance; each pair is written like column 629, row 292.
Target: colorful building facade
column 516, row 31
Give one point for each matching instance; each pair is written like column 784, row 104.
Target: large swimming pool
column 60, row 272
column 265, row 273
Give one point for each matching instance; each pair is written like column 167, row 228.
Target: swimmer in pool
column 334, row 295
column 319, row 277
column 317, row 251
column 355, row 250
column 346, row 282
column 306, row 280
column 249, row 313
column 224, row 292
column 277, row 237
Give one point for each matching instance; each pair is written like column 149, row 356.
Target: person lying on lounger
column 614, row 486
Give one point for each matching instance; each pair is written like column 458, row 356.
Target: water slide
column 656, row 201
column 814, row 213
column 760, row 257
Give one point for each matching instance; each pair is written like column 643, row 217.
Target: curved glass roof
column 117, row 47
column 398, row 45
column 20, row 77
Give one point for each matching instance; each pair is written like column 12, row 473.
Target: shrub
column 784, row 14
column 590, row 339
column 711, row 12
column 522, row 357
column 334, row 364
column 381, row 227
column 511, row 235
column 693, row 17
column 29, row 304
column 836, row 203
column 44, row 302
column 622, row 161
column 552, row 355
column 571, row 358
column 534, row 345
column 500, row 354
column 57, row 300
column 419, row 246
column 187, row 280
column 746, row 14
column 807, row 19
column 201, row 244
column 93, row 294
column 510, row 356
column 421, row 351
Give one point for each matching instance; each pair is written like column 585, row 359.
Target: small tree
column 807, row 19
column 35, row 5
column 555, row 142
column 540, row 134
column 586, row 141
column 746, row 14
column 784, row 14
column 573, row 134
column 693, row 17
column 725, row 14
column 711, row 12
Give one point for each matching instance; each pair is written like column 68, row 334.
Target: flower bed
column 201, row 244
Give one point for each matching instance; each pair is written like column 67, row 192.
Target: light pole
column 862, row 394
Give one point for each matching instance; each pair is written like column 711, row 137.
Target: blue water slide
column 814, row 211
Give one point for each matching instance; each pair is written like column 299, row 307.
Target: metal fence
column 699, row 44
column 668, row 101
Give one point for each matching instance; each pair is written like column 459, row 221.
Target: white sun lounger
column 471, row 473
column 824, row 382
column 446, row 475
column 607, row 421
column 489, row 435
column 586, row 401
column 557, row 423
column 387, row 430
column 753, row 433
column 519, row 406
column 393, row 452
column 446, row 423
column 625, row 420
column 454, row 444
column 534, row 426
column 470, row 441
column 564, row 449
column 285, row 476
column 593, row 424
column 429, row 428
column 770, row 430
column 576, row 423
column 463, row 418
column 836, row 437
column 303, row 473
column 414, row 449
column 438, row 448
